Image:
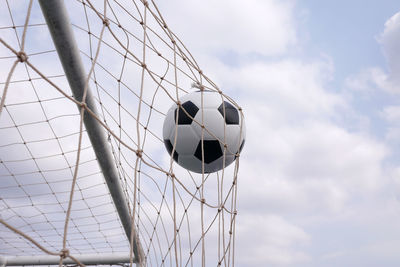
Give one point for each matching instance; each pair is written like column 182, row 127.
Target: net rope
column 53, row 198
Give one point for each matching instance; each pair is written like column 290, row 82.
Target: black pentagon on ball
column 190, row 108
column 169, row 147
column 231, row 113
column 212, row 151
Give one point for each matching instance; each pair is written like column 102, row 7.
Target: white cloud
column 277, row 235
column 376, row 77
column 266, row 27
column 390, row 42
column 393, row 134
column 297, row 162
column 293, row 166
column 367, row 79
column 391, row 114
column 289, row 86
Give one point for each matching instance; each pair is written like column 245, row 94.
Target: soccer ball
column 223, row 133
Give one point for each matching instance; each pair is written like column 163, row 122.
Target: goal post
column 87, row 259
column 60, row 29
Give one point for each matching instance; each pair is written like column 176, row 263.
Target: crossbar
column 87, row 259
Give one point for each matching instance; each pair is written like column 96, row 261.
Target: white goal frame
column 88, row 259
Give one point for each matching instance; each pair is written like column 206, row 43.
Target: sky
column 318, row 81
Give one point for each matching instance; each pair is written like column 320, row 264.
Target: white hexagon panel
column 216, row 144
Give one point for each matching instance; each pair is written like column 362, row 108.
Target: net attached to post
column 53, row 197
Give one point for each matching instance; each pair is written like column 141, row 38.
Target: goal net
column 54, row 198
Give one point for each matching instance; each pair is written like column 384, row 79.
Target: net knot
column 64, row 253
column 144, row 66
column 203, row 200
column 106, row 22
column 146, row 4
column 83, row 105
column 139, row 153
column 22, row 57
column 198, row 85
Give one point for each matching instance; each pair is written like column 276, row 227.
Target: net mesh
column 53, row 198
